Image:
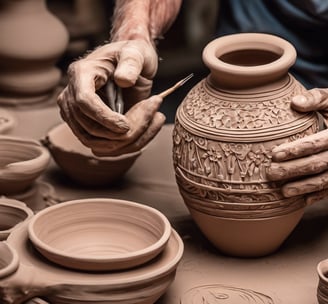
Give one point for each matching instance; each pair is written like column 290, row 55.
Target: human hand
column 131, row 65
column 305, row 160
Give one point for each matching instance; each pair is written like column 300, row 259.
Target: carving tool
column 116, row 102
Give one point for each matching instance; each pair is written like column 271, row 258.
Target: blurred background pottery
column 12, row 213
column 322, row 291
column 224, row 132
column 99, row 234
column 33, row 39
column 22, row 161
column 80, row 164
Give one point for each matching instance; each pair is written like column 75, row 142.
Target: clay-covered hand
column 131, row 65
column 305, row 160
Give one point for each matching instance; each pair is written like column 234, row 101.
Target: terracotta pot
column 322, row 291
column 99, row 234
column 225, row 130
column 33, row 39
column 12, row 213
column 37, row 277
column 80, row 164
column 22, row 161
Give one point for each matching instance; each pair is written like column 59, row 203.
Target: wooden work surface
column 287, row 276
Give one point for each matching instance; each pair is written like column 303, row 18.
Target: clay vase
column 224, row 133
column 33, row 39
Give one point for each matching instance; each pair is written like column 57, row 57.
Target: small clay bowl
column 12, row 213
column 9, row 260
column 80, row 164
column 21, row 162
column 99, row 234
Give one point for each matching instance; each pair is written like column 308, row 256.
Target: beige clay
column 224, row 134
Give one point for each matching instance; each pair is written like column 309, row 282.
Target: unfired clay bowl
column 12, row 213
column 80, row 164
column 37, row 277
column 99, row 234
column 21, row 162
column 8, row 260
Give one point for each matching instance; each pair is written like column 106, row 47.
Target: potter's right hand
column 131, row 65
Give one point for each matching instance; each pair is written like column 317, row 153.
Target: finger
column 94, row 128
column 298, row 167
column 129, row 67
column 316, row 196
column 308, row 185
column 312, row 100
column 142, row 141
column 141, row 114
column 83, row 95
column 305, row 146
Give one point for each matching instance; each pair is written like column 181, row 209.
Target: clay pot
column 223, row 136
column 37, row 277
column 80, row 164
column 33, row 39
column 12, row 213
column 99, row 234
column 21, row 162
column 322, row 291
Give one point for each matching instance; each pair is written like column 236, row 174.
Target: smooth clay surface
column 38, row 277
column 80, row 164
column 22, row 161
column 99, row 234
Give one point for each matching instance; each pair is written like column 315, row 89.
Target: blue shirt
column 304, row 23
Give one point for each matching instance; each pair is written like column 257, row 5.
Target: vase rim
column 227, row 74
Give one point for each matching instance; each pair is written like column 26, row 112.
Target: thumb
column 129, row 67
column 312, row 100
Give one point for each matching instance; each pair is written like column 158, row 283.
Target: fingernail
column 279, row 155
column 299, row 99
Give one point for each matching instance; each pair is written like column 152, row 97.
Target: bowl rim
column 158, row 245
column 51, row 144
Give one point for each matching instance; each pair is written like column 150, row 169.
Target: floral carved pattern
column 219, row 112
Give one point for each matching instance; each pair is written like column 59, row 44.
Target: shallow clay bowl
column 12, row 213
column 80, row 164
column 99, row 234
column 21, row 162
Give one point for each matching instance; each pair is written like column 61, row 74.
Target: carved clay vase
column 224, row 132
column 33, row 39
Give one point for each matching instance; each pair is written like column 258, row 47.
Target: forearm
column 143, row 19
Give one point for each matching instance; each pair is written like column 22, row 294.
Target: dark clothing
column 303, row 23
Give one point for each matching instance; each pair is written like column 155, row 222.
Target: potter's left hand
column 304, row 160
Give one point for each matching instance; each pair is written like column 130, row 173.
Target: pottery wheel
column 46, row 276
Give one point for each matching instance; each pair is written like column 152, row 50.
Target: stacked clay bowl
column 80, row 164
column 101, row 250
column 322, row 290
column 22, row 161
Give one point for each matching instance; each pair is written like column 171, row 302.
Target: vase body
column 224, row 132
column 33, row 39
